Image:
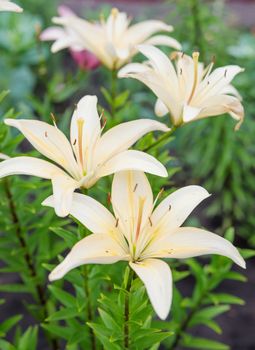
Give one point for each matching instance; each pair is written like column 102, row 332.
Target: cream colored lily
column 187, row 91
column 6, row 5
column 140, row 234
column 113, row 41
column 87, row 157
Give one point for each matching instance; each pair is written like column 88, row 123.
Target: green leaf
column 62, row 296
column 4, row 345
column 225, row 298
column 59, row 331
column 9, row 323
column 108, row 320
column 29, row 339
column 149, row 338
column 201, row 343
column 104, row 337
column 68, row 236
column 63, row 314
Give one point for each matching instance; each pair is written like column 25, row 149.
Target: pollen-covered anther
column 53, row 119
column 115, row 12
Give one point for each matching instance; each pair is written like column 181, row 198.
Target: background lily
column 141, row 235
column 187, row 91
column 87, row 157
column 84, row 58
column 6, row 5
column 113, row 41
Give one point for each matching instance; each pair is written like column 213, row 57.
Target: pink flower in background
column 83, row 58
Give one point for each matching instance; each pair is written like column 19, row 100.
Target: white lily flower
column 112, row 41
column 187, row 91
column 87, row 157
column 6, row 5
column 140, row 234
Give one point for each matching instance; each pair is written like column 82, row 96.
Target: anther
column 46, row 134
column 117, row 222
column 53, row 119
column 170, row 207
column 150, row 221
column 180, row 71
column 182, row 55
column 74, row 143
column 225, row 73
column 136, row 185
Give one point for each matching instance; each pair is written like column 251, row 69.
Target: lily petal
column 89, row 212
column 190, row 113
column 49, row 141
column 160, row 108
column 123, row 136
column 163, row 40
column 139, row 32
column 29, row 166
column 93, row 249
column 85, row 129
column 63, row 188
column 189, row 242
column 132, row 201
column 157, row 278
column 6, row 5
column 132, row 160
column 175, row 208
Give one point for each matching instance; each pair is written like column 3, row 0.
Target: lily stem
column 157, row 142
column 29, row 261
column 198, row 32
column 127, row 310
column 89, row 307
column 113, row 91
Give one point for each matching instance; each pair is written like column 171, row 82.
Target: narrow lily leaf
column 62, row 296
column 9, row 323
column 63, row 314
column 191, row 342
column 29, row 339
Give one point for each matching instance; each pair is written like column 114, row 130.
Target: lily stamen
column 195, row 57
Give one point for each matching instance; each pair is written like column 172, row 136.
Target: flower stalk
column 162, row 138
column 127, row 309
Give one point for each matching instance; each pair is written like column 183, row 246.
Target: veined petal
column 160, row 62
column 123, row 136
column 163, row 40
column 29, row 166
column 221, row 104
column 132, row 68
column 6, row 5
column 160, row 108
column 49, row 141
column 132, row 202
column 189, row 242
column 139, row 32
column 89, row 212
column 4, row 156
column 85, row 130
column 175, row 208
column 157, row 278
column 63, row 188
column 216, row 82
column 132, row 160
column 93, row 249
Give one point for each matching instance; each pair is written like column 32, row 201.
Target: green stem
column 113, row 91
column 198, row 33
column 127, row 311
column 27, row 256
column 160, row 139
column 89, row 307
